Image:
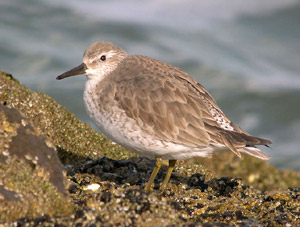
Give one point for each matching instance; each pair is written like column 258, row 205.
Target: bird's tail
column 240, row 142
column 254, row 151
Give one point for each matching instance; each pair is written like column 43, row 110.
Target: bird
column 156, row 109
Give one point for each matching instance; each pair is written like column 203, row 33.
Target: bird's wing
column 168, row 103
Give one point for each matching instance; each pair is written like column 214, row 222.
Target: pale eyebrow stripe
column 107, row 54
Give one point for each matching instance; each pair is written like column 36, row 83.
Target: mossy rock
column 213, row 191
column 74, row 139
column 32, row 182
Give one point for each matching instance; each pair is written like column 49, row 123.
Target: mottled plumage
column 156, row 109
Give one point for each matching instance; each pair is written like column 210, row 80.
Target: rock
column 77, row 141
column 202, row 192
column 31, row 174
column 190, row 200
column 74, row 140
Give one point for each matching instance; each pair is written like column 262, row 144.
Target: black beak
column 80, row 69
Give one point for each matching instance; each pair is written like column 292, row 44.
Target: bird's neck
column 89, row 97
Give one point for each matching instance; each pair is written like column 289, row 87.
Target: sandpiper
column 156, row 110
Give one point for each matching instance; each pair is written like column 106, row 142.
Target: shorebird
column 156, row 110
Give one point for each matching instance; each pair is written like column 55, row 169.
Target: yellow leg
column 168, row 175
column 156, row 168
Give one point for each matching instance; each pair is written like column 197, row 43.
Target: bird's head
column 99, row 60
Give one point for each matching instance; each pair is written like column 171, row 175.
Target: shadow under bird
column 156, row 109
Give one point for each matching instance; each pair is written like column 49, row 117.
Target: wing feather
column 172, row 106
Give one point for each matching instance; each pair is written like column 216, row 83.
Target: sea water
column 246, row 53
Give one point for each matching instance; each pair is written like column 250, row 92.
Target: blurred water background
column 246, row 53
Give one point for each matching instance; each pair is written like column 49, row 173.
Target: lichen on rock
column 32, row 182
column 105, row 181
column 74, row 139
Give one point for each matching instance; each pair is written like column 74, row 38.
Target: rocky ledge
column 54, row 169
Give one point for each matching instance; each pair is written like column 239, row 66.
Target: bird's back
column 170, row 105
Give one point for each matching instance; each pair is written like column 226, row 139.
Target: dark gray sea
column 246, row 53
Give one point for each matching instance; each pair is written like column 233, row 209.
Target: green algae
column 199, row 191
column 76, row 140
column 218, row 200
column 71, row 136
column 255, row 172
column 31, row 175
column 35, row 196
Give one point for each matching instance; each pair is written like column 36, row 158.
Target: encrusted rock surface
column 73, row 138
column 106, row 181
column 31, row 175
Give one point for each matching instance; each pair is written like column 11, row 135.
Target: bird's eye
column 103, row 58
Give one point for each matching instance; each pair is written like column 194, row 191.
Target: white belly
column 124, row 131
